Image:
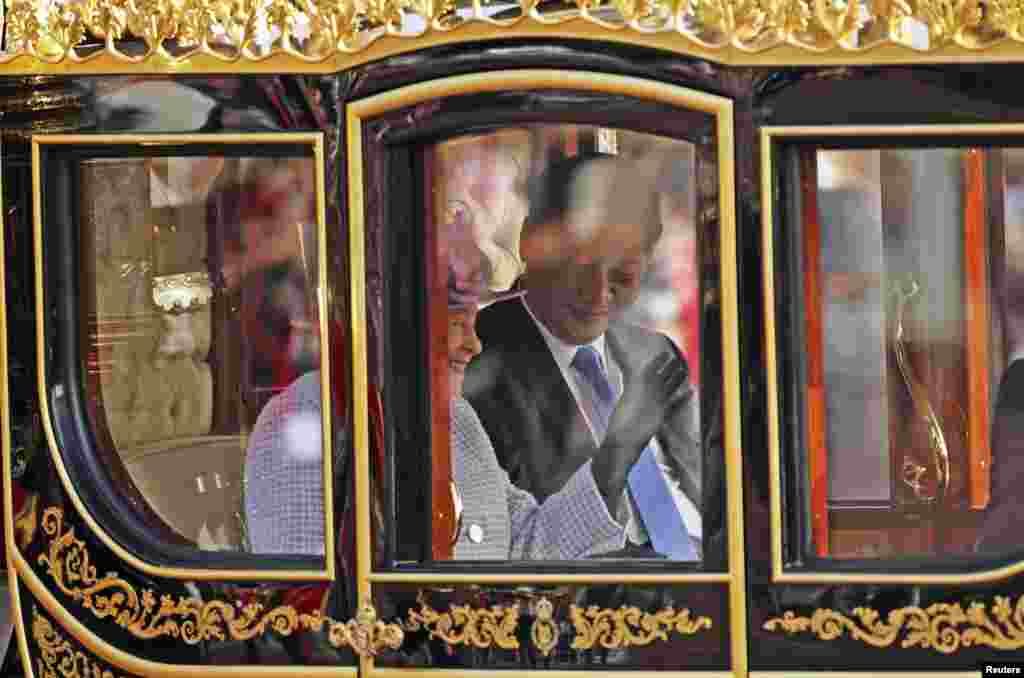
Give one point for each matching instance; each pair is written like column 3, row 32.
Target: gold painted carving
column 544, row 630
column 182, row 292
column 464, row 625
column 915, row 475
column 145, row 616
column 58, row 658
column 26, row 521
column 175, row 31
column 628, row 626
column 608, row 628
column 944, row 627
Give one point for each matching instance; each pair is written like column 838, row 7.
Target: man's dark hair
column 551, row 199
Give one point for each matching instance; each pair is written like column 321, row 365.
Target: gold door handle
column 913, row 473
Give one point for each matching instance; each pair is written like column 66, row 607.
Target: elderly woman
column 499, row 520
column 284, row 491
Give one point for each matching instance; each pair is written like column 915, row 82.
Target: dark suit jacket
column 540, row 436
column 1000, row 530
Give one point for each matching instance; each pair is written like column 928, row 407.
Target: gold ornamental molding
column 544, row 629
column 608, row 628
column 58, row 658
column 298, row 35
column 26, row 521
column 465, row 625
column 944, row 627
column 182, row 292
column 629, row 626
column 146, row 615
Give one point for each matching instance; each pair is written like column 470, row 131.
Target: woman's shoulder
column 302, row 395
column 463, row 413
column 466, row 427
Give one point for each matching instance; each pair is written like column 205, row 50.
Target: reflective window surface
column 571, row 299
column 911, row 285
column 200, row 308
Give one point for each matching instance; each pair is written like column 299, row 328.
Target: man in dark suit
column 1000, row 529
column 556, row 362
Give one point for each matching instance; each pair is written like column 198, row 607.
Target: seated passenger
column 555, row 363
column 284, row 493
column 1005, row 514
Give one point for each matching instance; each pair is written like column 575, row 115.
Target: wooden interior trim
column 815, row 434
column 978, row 304
column 226, row 357
column 995, row 171
column 442, row 503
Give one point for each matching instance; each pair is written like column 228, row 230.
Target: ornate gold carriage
column 207, row 203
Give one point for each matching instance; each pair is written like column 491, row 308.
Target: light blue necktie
column 662, row 520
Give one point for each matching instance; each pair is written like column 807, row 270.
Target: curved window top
column 491, row 439
column 197, row 262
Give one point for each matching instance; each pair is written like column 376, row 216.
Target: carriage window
column 909, row 266
column 570, row 291
column 200, row 337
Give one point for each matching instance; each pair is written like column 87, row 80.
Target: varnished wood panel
column 817, row 446
column 977, row 302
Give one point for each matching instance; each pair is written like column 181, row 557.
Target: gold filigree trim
column 544, row 629
column 26, row 521
column 58, row 658
column 944, row 627
column 312, row 31
column 628, row 626
column 464, row 625
column 607, row 628
column 183, row 292
column 68, row 564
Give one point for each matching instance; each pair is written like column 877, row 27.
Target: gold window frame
column 316, row 142
column 357, row 114
column 768, row 137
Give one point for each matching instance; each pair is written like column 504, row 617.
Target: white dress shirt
column 563, row 354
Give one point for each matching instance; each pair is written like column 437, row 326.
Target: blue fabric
column 662, row 519
column 588, row 363
column 647, row 484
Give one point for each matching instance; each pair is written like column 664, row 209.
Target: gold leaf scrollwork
column 948, row 20
column 629, row 626
column 944, row 627
column 146, row 616
column 311, row 31
column 607, row 628
column 1009, row 16
column 544, row 630
column 464, row 625
column 26, row 521
column 58, row 658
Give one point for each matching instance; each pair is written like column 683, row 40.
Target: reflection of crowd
column 263, row 225
column 578, row 436
column 264, row 264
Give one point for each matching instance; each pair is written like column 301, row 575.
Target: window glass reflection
column 849, row 205
column 909, row 299
column 571, row 299
column 201, row 309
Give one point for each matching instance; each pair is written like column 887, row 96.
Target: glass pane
column 201, row 309
column 907, row 279
column 853, row 259
column 571, row 271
